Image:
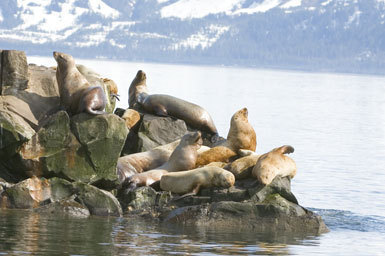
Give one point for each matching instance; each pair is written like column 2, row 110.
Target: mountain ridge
column 328, row 35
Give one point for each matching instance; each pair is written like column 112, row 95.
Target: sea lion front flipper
column 160, row 111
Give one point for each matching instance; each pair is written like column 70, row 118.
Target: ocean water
column 335, row 122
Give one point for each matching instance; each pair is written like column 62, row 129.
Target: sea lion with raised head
column 182, row 158
column 193, row 180
column 76, row 93
column 275, row 163
column 241, row 137
column 166, row 105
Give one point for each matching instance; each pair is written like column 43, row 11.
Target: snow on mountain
column 205, row 38
column 187, row 9
column 256, row 32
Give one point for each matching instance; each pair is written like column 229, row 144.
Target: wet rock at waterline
column 58, row 195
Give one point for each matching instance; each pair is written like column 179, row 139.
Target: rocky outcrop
column 36, row 139
column 66, row 165
column 246, row 206
column 59, row 196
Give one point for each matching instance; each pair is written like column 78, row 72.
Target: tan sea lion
column 166, row 105
column 76, row 93
column 242, row 167
column 275, row 163
column 182, row 158
column 144, row 161
column 193, row 180
column 131, row 117
column 241, row 137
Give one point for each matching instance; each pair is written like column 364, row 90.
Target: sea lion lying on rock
column 241, row 136
column 76, row 93
column 144, row 161
column 242, row 167
column 166, row 105
column 182, row 158
column 193, row 180
column 275, row 163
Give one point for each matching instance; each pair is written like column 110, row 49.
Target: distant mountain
column 330, row 35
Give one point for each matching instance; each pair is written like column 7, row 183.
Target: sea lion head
column 225, row 179
column 140, row 77
column 241, row 114
column 63, row 59
column 192, row 138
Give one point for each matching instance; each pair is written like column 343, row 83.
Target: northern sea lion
column 182, row 158
column 144, row 161
column 241, row 137
column 193, row 180
column 131, row 117
column 166, row 105
column 242, row 167
column 275, row 163
column 76, row 93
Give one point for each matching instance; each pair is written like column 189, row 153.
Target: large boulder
column 99, row 202
column 14, row 72
column 83, row 149
column 103, row 137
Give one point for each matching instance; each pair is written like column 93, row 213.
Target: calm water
column 335, row 122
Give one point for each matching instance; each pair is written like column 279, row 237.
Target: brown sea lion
column 241, row 136
column 76, row 93
column 193, row 180
column 275, row 163
column 182, row 158
column 144, row 161
column 166, row 105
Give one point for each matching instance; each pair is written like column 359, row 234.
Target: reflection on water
column 28, row 232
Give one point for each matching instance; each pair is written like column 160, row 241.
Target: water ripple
column 339, row 219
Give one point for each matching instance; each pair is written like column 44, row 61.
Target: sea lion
column 144, row 161
column 76, row 93
column 166, row 105
column 193, row 180
column 182, row 158
column 131, row 117
column 275, row 163
column 241, row 134
column 109, row 86
column 242, row 167
column 241, row 137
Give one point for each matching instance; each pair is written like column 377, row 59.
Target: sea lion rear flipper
column 286, row 149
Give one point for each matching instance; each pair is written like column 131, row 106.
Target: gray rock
column 99, row 202
column 65, row 207
column 14, row 71
column 142, row 199
column 155, row 131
